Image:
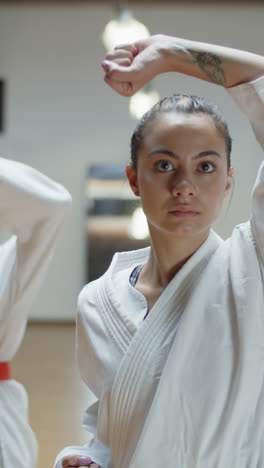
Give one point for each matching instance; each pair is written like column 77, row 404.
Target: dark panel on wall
column 2, row 105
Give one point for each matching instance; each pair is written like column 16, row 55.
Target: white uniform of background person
column 185, row 388
column 32, row 208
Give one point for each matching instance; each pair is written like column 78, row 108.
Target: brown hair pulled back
column 186, row 104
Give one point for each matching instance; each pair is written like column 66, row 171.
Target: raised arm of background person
column 32, row 208
column 129, row 67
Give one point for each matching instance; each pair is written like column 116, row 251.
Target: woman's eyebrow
column 207, row 153
column 163, row 151
column 202, row 154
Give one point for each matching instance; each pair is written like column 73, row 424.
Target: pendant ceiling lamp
column 123, row 29
column 142, row 101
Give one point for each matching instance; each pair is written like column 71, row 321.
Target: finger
column 122, row 87
column 123, row 61
column 75, row 461
column 69, row 461
column 84, row 461
column 116, row 70
column 119, row 54
column 129, row 47
column 91, row 465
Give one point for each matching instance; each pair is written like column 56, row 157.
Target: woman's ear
column 229, row 179
column 132, row 178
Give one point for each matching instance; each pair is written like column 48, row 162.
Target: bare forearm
column 220, row 65
column 129, row 67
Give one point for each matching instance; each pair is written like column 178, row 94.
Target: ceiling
column 108, row 2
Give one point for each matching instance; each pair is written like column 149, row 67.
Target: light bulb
column 122, row 30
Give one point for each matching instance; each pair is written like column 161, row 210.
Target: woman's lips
column 183, row 212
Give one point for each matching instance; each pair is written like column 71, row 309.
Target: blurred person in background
column 32, row 210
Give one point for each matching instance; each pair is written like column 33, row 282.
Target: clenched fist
column 74, row 461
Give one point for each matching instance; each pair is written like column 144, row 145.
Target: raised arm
column 32, row 208
column 129, row 67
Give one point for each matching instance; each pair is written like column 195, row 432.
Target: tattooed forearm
column 210, row 64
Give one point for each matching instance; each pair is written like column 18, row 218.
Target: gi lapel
column 131, row 385
column 212, row 378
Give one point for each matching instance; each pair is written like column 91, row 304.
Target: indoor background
column 61, row 118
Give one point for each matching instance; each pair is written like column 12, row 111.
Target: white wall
column 61, row 117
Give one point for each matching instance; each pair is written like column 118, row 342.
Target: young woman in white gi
column 32, row 209
column 171, row 339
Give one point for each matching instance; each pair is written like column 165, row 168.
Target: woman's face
column 181, row 176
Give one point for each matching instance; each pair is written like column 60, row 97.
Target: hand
column 78, row 462
column 130, row 66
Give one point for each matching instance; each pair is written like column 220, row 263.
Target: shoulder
column 104, row 285
column 88, row 293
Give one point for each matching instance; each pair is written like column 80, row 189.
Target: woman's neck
column 168, row 255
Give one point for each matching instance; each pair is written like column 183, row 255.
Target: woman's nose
column 183, row 187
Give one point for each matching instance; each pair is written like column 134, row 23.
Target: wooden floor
column 45, row 365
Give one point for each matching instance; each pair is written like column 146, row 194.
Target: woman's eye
column 206, row 167
column 164, row 166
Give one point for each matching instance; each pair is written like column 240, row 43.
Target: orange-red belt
column 5, row 372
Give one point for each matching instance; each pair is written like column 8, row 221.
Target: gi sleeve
column 95, row 357
column 96, row 450
column 250, row 98
column 32, row 209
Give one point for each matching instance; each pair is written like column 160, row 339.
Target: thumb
column 106, row 64
column 116, row 71
column 84, row 461
column 76, row 461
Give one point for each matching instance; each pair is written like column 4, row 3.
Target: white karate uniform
column 32, row 209
column 185, row 389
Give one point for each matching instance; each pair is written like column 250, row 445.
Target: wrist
column 175, row 53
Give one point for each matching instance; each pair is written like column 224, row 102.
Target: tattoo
column 210, row 64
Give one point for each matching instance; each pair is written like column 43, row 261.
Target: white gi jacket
column 32, row 208
column 194, row 398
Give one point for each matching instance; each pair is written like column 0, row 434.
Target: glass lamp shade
column 142, row 101
column 122, row 30
column 138, row 225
